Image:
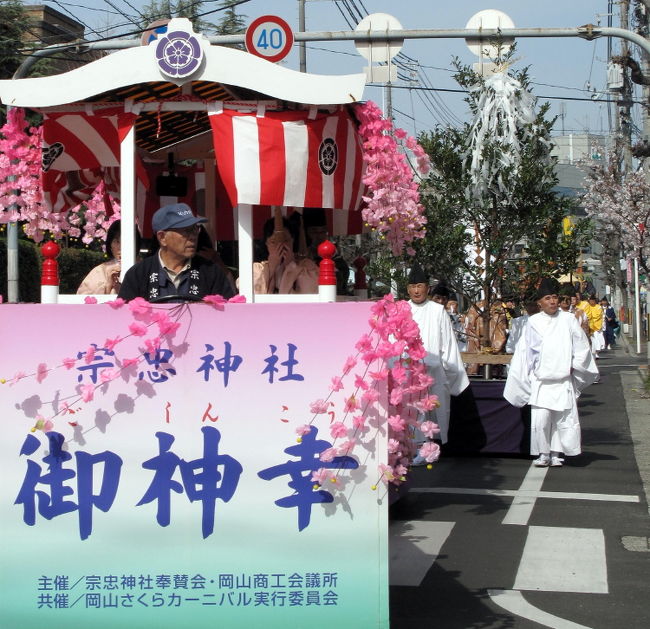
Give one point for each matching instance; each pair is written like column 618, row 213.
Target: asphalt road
column 493, row 542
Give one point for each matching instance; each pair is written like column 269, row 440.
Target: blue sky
column 565, row 68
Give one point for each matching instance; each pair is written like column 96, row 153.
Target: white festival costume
column 551, row 365
column 443, row 360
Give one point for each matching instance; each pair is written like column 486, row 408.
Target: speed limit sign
column 269, row 37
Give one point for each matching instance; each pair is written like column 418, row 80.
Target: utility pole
column 643, row 28
column 623, row 111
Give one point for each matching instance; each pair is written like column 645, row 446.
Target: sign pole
column 637, row 306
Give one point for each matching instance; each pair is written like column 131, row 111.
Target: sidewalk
column 637, row 406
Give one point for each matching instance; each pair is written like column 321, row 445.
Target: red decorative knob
column 50, row 272
column 327, row 268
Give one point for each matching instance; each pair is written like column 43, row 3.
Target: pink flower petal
column 90, row 354
column 116, row 303
column 327, row 455
column 87, row 392
column 318, row 407
column 338, row 430
column 41, row 372
column 137, row 329
column 217, row 301
column 139, row 306
column 110, row 344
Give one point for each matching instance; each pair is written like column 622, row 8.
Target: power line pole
column 623, row 111
column 643, row 28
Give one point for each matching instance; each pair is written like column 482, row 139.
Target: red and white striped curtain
column 299, row 158
column 79, row 151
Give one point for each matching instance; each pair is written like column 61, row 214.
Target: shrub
column 74, row 265
column 29, row 265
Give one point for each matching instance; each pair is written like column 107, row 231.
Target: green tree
column 14, row 22
column 231, row 23
column 502, row 230
column 167, row 9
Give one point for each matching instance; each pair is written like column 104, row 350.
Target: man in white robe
column 551, row 365
column 443, row 360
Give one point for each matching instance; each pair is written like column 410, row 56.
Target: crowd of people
column 507, row 319
column 182, row 259
column 555, row 339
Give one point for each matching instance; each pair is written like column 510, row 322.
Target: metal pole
column 13, row 292
column 588, row 32
column 301, row 27
column 637, row 306
column 12, row 263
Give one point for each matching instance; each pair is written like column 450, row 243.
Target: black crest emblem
column 328, row 156
column 50, row 154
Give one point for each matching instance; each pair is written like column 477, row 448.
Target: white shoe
column 542, row 461
column 556, row 461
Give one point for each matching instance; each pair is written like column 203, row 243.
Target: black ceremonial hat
column 417, row 275
column 441, row 289
column 548, row 286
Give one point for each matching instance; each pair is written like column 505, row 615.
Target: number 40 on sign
column 269, row 37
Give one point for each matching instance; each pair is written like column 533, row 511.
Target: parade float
column 219, row 463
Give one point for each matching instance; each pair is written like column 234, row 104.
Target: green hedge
column 29, row 269
column 74, row 265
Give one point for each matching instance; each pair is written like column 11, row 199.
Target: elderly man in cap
column 443, row 360
column 175, row 272
column 551, row 365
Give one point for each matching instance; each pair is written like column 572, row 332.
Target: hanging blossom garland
column 159, row 323
column 21, row 192
column 20, row 169
column 394, row 344
column 393, row 207
column 504, row 120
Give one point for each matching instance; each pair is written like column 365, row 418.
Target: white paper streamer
column 505, row 109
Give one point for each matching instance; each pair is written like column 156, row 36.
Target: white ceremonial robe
column 443, row 360
column 517, row 327
column 551, row 365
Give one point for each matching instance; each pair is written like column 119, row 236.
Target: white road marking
column 561, row 559
column 560, row 495
column 414, row 546
column 525, row 497
column 515, row 603
column 524, row 500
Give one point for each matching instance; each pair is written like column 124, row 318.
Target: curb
column 638, row 415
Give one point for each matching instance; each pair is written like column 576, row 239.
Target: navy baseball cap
column 175, row 216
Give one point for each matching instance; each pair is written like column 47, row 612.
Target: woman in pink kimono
column 104, row 279
column 283, row 271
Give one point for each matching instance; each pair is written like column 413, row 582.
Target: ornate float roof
column 179, row 65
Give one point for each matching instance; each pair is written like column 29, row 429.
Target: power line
column 83, row 6
column 133, row 21
column 139, row 31
column 128, row 4
column 569, row 98
column 74, row 17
